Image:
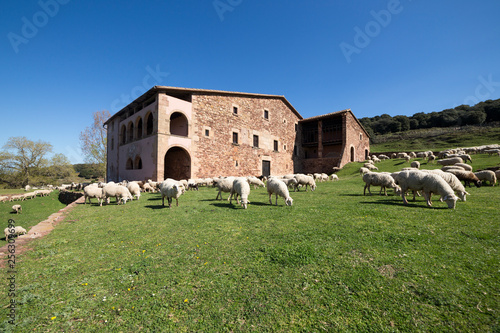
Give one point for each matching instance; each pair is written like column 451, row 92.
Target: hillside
column 435, row 139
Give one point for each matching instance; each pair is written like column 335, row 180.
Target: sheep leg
column 177, row 202
column 427, row 198
column 276, row 199
column 217, row 197
column 403, row 195
column 169, row 202
column 270, row 199
column 163, row 201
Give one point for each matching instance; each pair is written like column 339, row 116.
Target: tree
column 22, row 157
column 93, row 141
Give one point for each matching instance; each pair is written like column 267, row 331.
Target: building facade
column 194, row 133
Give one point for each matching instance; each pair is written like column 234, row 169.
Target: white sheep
column 240, row 188
column 279, row 188
column 93, row 191
column 379, row 179
column 450, row 161
column 256, row 182
column 224, row 185
column 134, row 189
column 453, row 181
column 370, row 166
column 290, row 181
column 304, row 180
column 487, row 175
column 415, row 164
column 363, row 170
column 450, row 167
column 17, row 209
column 14, row 231
column 120, row 192
column 428, row 183
column 170, row 189
column 465, row 166
column 334, row 177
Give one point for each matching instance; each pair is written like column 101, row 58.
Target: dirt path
column 41, row 229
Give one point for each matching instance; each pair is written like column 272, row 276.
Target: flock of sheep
column 237, row 187
column 446, row 182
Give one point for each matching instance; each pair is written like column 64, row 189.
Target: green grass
column 6, row 191
column 34, row 211
column 335, row 261
column 435, row 139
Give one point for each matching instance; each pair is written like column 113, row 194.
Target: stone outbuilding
column 184, row 133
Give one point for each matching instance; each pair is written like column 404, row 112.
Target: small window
column 207, row 132
column 266, row 114
column 256, row 141
column 360, row 137
column 236, row 163
column 275, row 145
column 129, row 165
column 284, row 147
column 235, row 110
column 235, row 138
column 296, row 127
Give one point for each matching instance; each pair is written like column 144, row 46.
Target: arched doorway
column 352, row 154
column 177, row 164
column 178, row 124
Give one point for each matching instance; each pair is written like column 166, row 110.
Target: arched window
column 129, row 165
column 178, row 124
column 352, row 154
column 123, row 135
column 139, row 128
column 149, row 124
column 138, row 162
column 130, row 131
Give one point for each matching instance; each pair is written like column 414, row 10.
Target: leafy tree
column 404, row 121
column 22, row 157
column 93, row 141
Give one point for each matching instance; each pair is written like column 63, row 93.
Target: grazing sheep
column 431, row 158
column 279, row 188
column 428, row 183
column 290, row 182
column 134, row 189
column 224, row 185
column 466, row 176
column 450, row 167
column 370, row 166
column 334, row 177
column 17, row 209
column 4, row 198
column 379, row 179
column 43, row 193
column 120, row 192
column 450, row 161
column 29, row 195
column 363, row 170
column 256, row 182
column 170, row 189
column 304, row 180
column 148, row 188
column 453, row 181
column 415, row 164
column 240, row 188
column 487, row 175
column 465, row 166
column 93, row 191
column 13, row 232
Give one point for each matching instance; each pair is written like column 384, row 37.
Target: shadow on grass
column 157, row 206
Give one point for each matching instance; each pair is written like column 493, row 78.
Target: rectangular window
column 207, row 132
column 256, row 141
column 275, row 145
column 266, row 114
column 235, row 110
column 235, row 138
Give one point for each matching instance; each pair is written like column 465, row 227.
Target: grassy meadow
column 335, row 261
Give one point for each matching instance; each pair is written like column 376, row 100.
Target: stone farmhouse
column 181, row 133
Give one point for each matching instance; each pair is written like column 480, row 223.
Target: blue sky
column 61, row 60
